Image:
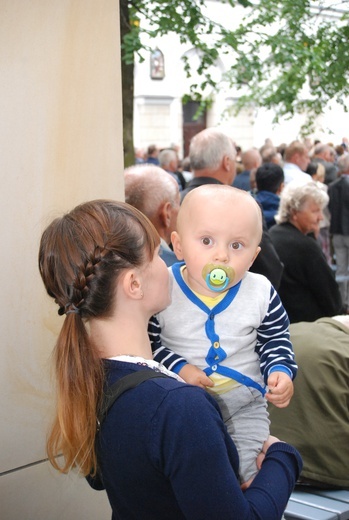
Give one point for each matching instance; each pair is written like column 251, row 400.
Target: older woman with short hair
column 308, row 287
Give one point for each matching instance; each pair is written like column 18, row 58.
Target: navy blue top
column 165, row 454
column 168, row 256
column 152, row 160
column 270, row 204
column 242, row 181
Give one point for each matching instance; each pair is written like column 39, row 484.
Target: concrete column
column 61, row 144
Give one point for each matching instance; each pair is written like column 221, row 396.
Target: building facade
column 161, row 118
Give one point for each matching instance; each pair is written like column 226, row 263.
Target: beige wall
column 61, row 144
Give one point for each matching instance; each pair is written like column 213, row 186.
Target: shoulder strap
column 120, row 386
column 114, row 391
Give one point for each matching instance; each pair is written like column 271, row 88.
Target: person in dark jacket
column 325, row 155
column 308, row 287
column 270, row 182
column 339, row 225
column 251, row 159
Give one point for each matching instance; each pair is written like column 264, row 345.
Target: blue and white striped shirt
column 247, row 332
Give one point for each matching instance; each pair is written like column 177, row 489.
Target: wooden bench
column 318, row 504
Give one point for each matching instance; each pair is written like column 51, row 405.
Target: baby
column 226, row 329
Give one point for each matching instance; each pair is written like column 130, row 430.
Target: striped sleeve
column 273, row 340
column 162, row 354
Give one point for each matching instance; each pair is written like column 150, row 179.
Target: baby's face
column 219, row 239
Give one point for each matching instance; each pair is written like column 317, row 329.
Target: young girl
column 163, row 450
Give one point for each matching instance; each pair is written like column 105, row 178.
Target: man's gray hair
column 321, row 148
column 295, row 195
column 268, row 153
column 207, row 149
column 148, row 187
column 343, row 163
column 166, row 156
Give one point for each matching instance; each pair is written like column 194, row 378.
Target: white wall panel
column 40, row 492
column 61, row 144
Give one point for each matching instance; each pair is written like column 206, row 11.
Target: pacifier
column 217, row 277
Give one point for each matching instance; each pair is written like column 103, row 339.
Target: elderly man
column 212, row 160
column 316, row 420
column 325, row 154
column 168, row 160
column 338, row 192
column 251, row 159
column 296, row 161
column 270, row 154
column 212, row 157
column 156, row 194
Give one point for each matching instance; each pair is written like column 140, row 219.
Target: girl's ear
column 132, row 285
column 176, row 244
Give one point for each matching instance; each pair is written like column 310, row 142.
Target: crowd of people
column 327, row 165
column 265, row 172
column 227, row 273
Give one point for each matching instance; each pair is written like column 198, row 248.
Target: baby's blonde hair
column 214, row 192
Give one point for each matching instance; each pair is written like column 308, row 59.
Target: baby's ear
column 255, row 255
column 176, row 244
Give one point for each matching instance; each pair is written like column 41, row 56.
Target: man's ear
column 226, row 162
column 176, row 244
column 131, row 284
column 165, row 215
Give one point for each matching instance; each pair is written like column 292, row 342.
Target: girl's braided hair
column 81, row 257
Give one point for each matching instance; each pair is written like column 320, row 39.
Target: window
column 157, row 65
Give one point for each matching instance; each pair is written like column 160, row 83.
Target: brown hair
column 294, row 148
column 81, row 257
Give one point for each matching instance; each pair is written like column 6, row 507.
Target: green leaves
column 290, row 56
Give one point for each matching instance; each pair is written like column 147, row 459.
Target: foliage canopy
column 287, row 55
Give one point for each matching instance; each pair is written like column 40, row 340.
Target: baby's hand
column 280, row 389
column 195, row 376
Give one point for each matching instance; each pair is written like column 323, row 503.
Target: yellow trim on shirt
column 209, row 301
column 222, row 384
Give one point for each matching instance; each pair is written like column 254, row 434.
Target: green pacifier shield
column 217, row 277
